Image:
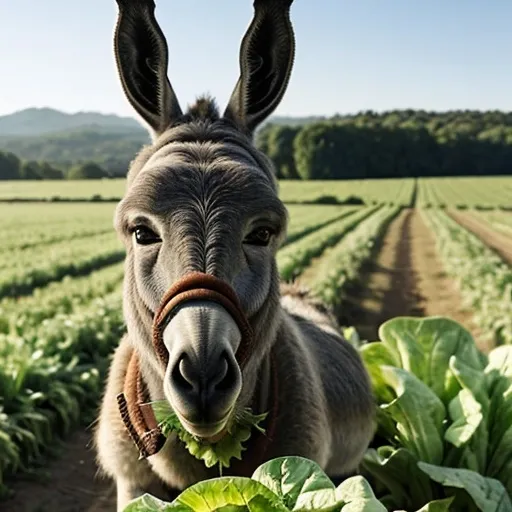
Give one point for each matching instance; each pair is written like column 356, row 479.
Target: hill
column 40, row 121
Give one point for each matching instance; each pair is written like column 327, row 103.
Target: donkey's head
column 202, row 198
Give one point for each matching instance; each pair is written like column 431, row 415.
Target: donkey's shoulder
column 300, row 302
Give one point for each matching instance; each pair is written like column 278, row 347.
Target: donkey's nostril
column 226, row 375
column 222, row 370
column 183, row 374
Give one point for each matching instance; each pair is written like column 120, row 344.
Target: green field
column 468, row 192
column 61, row 276
column 488, row 192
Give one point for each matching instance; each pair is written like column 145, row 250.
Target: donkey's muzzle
column 203, row 379
column 203, row 338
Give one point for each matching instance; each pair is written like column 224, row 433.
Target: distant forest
column 406, row 143
column 111, row 153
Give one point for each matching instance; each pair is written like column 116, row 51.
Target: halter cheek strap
column 138, row 415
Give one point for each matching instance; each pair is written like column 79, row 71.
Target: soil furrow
column 405, row 278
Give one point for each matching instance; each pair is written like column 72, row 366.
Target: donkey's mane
column 204, row 109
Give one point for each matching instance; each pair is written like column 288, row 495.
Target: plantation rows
column 59, row 297
column 29, row 225
column 340, row 266
column 484, row 279
column 491, row 192
column 56, row 340
column 500, row 221
column 23, row 271
column 294, row 258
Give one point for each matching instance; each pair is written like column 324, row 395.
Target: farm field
column 60, row 299
column 497, row 220
column 487, row 192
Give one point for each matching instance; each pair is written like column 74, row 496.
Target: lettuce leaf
column 487, row 494
column 424, row 346
column 220, row 452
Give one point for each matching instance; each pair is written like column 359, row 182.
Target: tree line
column 13, row 168
column 406, row 143
column 112, row 151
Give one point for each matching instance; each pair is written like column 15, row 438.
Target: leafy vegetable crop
column 444, row 428
column 288, row 483
column 51, row 377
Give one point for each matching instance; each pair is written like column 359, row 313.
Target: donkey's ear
column 141, row 55
column 266, row 59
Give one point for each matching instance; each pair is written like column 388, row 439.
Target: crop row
column 484, row 279
column 305, row 219
column 36, row 217
column 341, row 265
column 490, row 192
column 499, row 220
column 30, row 225
column 51, row 377
column 66, row 233
column 295, row 257
column 25, row 270
column 59, row 297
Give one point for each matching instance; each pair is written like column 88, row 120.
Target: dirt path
column 71, row 483
column 405, row 278
column 497, row 241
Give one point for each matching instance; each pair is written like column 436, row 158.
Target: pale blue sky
column 351, row 54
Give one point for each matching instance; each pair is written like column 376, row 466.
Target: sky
column 351, row 55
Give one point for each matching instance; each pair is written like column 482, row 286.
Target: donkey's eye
column 145, row 236
column 260, row 236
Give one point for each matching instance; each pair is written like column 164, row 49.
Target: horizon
column 385, row 58
column 355, row 113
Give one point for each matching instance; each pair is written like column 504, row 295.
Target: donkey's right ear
column 266, row 58
column 141, row 55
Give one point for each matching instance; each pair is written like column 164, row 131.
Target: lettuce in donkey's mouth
column 220, row 451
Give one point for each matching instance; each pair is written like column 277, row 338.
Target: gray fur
column 202, row 186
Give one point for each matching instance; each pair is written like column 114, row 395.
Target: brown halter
column 138, row 415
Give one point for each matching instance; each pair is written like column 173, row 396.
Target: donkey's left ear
column 141, row 55
column 266, row 59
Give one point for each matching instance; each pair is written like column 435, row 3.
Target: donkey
column 202, row 222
